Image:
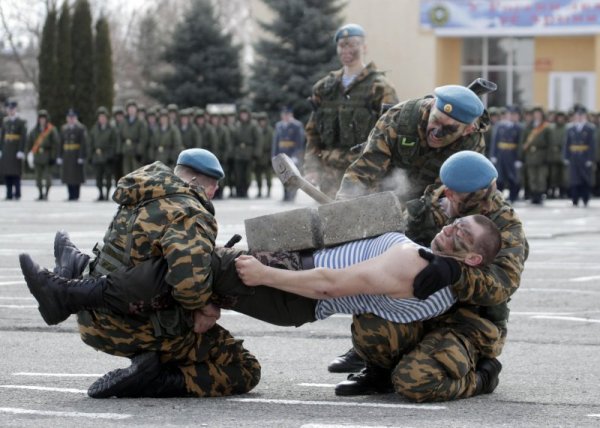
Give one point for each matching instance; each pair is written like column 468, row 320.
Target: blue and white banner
column 510, row 17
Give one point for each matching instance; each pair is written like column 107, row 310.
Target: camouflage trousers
column 432, row 361
column 214, row 364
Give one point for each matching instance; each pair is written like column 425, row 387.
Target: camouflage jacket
column 343, row 117
column 398, row 142
column 482, row 293
column 160, row 215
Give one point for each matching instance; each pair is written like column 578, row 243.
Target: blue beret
column 203, row 161
column 458, row 102
column 349, row 30
column 467, row 172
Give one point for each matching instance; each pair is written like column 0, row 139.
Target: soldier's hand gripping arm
column 439, row 273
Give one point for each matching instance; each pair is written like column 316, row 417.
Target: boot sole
column 117, row 382
column 30, row 269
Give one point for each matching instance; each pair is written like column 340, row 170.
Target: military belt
column 577, row 148
column 286, row 144
column 507, row 146
column 12, row 137
column 72, row 146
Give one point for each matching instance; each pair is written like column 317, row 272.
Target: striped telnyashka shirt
column 396, row 310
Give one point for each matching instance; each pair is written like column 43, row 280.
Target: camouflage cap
column 173, row 107
column 262, row 115
column 43, row 113
column 163, row 112
column 348, row 30
column 199, row 111
column 118, row 110
column 244, row 109
column 142, row 108
column 102, row 110
column 131, row 102
column 186, row 112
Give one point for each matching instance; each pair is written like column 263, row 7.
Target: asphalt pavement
column 551, row 374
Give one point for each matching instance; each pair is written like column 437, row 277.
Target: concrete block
column 360, row 218
column 292, row 230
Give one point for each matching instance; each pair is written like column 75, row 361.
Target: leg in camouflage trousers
column 213, row 364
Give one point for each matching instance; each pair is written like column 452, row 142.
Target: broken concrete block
column 360, row 218
column 292, row 230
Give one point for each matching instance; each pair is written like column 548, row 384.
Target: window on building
column 506, row 61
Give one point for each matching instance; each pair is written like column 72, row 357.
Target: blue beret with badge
column 458, row 102
column 349, row 30
column 467, row 171
column 202, row 161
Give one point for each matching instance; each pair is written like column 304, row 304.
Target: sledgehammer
column 290, row 176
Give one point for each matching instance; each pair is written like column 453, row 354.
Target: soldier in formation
column 12, row 150
column 104, row 143
column 346, row 105
column 262, row 165
column 72, row 154
column 42, row 149
column 289, row 139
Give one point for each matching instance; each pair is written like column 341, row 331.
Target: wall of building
column 449, row 55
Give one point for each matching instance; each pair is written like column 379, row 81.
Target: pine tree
column 83, row 62
column 48, row 66
column 205, row 64
column 63, row 62
column 105, row 91
column 298, row 52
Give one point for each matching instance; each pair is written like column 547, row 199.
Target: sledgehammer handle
column 290, row 176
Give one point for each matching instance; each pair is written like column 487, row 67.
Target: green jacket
column 166, row 145
column 104, row 143
column 536, row 144
column 190, row 136
column 246, row 140
column 46, row 145
column 263, row 150
column 134, row 139
column 12, row 142
column 73, row 152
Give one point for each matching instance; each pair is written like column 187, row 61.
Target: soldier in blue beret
column 346, row 104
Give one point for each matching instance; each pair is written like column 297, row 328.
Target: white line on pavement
column 594, row 416
column 544, row 317
column 317, row 385
column 17, row 298
column 45, row 388
column 338, row 403
column 12, row 282
column 585, row 278
column 57, row 374
column 18, row 411
column 343, row 426
column 553, row 313
column 18, row 306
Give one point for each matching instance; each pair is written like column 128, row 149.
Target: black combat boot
column 70, row 262
column 350, row 362
column 60, row 297
column 146, row 377
column 100, row 194
column 130, row 381
column 41, row 197
column 487, row 371
column 371, row 380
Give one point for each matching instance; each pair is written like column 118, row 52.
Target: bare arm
column 392, row 273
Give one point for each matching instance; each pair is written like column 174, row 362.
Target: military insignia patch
column 448, row 108
column 404, row 142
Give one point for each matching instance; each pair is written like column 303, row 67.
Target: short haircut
column 489, row 245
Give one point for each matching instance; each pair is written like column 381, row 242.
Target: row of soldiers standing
column 553, row 155
column 119, row 143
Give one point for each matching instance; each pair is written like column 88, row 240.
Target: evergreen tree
column 205, row 64
column 63, row 63
column 105, row 91
column 48, row 66
column 83, row 62
column 298, row 52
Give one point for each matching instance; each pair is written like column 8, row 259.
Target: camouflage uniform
column 398, row 141
column 435, row 360
column 536, row 145
column 342, row 118
column 160, row 215
column 43, row 144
